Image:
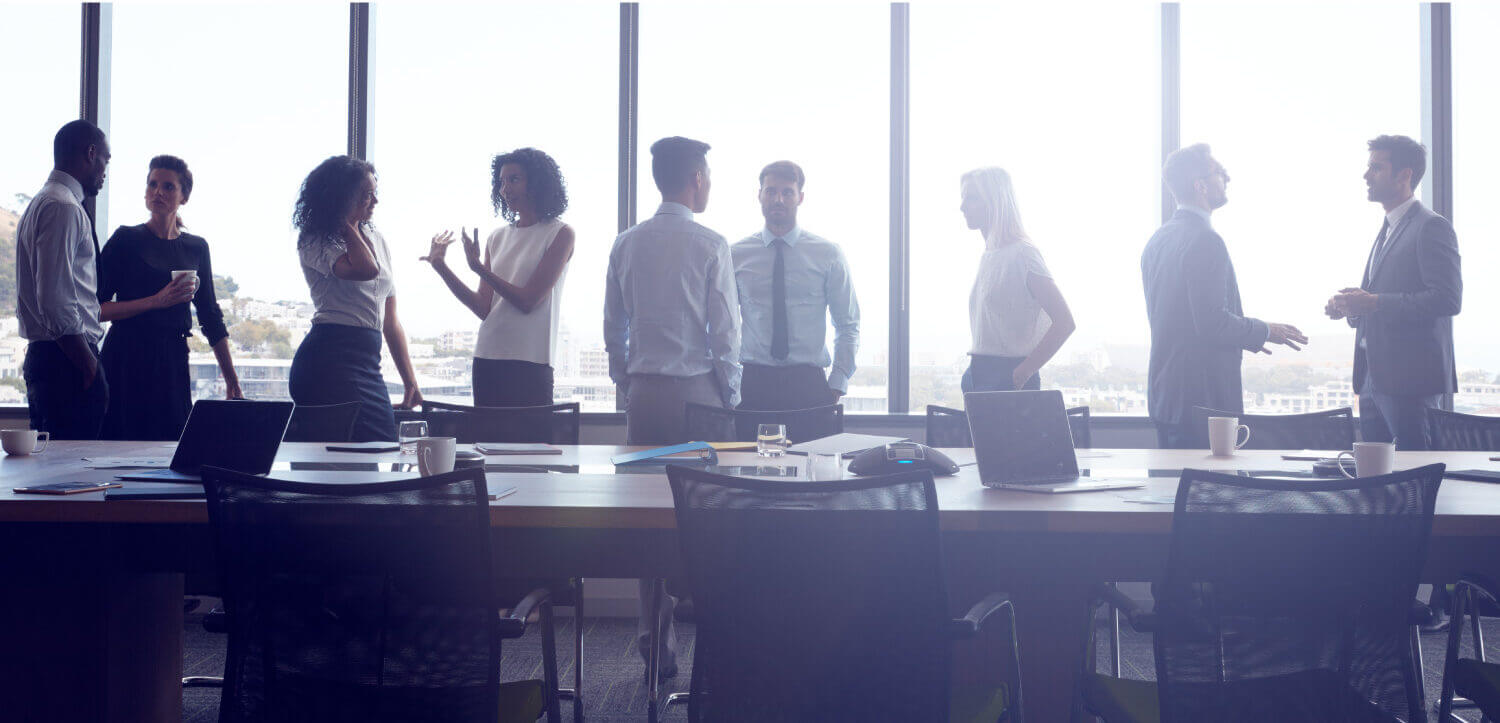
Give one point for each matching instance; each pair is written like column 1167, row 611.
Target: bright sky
column 1286, row 93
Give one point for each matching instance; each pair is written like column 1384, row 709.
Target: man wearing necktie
column 57, row 306
column 1403, row 310
column 790, row 281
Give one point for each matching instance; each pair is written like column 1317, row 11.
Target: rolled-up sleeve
column 724, row 324
column 843, row 309
column 59, row 296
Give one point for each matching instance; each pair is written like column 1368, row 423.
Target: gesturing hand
column 439, row 248
column 1285, row 334
column 1356, row 302
column 471, row 250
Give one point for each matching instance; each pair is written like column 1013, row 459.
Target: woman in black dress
column 145, row 353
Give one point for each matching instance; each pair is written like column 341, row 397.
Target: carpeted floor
column 614, row 683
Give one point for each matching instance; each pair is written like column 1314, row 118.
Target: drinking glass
column 824, row 467
column 770, row 440
column 409, row 433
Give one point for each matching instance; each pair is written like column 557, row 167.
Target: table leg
column 1049, row 624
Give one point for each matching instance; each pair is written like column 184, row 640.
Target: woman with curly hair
column 521, row 280
column 348, row 270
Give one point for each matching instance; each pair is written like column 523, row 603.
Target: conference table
column 91, row 606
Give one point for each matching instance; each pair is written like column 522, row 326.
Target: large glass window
column 455, row 85
column 802, row 81
column 1073, row 117
column 39, row 72
column 1288, row 94
column 252, row 97
column 1476, row 115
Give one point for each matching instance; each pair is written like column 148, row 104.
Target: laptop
column 239, row 435
column 1022, row 441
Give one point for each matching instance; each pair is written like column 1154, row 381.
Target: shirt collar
column 70, row 182
column 1394, row 215
column 791, row 237
column 675, row 209
column 1195, row 211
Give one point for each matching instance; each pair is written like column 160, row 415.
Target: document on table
column 127, row 462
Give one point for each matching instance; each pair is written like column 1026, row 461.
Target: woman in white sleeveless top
column 521, row 280
column 1017, row 316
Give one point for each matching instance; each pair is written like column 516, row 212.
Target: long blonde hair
column 993, row 185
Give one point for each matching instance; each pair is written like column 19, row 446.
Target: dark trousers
column 791, row 387
column 55, row 396
column 511, row 383
column 1176, row 436
column 656, row 410
column 993, row 374
column 1399, row 418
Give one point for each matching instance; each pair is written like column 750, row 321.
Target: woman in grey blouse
column 348, row 270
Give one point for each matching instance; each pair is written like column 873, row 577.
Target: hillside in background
column 8, row 221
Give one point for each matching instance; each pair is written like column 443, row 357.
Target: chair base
column 202, row 681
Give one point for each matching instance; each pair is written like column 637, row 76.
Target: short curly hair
column 327, row 195
column 544, row 184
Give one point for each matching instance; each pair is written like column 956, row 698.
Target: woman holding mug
column 1017, row 315
column 147, row 275
column 348, row 270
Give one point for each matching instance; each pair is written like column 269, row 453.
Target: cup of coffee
column 435, row 455
column 21, row 442
column 190, row 273
column 1224, row 435
column 1371, row 459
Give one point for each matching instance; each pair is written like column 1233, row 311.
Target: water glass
column 824, row 468
column 770, row 440
column 409, row 432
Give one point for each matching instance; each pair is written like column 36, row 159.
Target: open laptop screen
column 1021, row 437
column 238, row 435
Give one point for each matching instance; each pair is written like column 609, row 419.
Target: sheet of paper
column 127, row 462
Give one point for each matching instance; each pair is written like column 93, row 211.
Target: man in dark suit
column 1198, row 330
column 1403, row 310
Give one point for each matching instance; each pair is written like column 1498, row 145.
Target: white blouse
column 1004, row 318
column 508, row 332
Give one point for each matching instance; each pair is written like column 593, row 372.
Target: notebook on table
column 240, row 435
column 1022, row 441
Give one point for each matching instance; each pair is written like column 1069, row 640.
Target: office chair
column 1474, row 678
column 949, row 427
column 546, row 424
column 322, row 423
column 1329, row 429
column 1454, row 432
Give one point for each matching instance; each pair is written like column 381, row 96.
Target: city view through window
column 1081, row 141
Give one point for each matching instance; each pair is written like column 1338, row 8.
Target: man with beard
column 789, row 282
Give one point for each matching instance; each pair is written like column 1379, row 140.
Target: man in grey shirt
column 57, row 302
column 789, row 282
column 671, row 324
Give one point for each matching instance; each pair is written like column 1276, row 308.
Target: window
column 1476, row 115
column 1073, row 117
column 807, row 82
column 39, row 71
column 252, row 97
column 453, row 86
column 1288, row 94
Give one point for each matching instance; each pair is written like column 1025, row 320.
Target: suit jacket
column 1406, row 344
column 1198, row 330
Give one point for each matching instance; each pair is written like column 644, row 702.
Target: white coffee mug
column 1223, row 435
column 22, row 442
column 824, row 467
column 1371, row 459
column 435, row 455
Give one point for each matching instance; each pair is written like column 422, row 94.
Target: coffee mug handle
column 1340, row 459
column 1242, row 442
column 43, row 438
column 425, row 463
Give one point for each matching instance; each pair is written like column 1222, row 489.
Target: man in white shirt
column 57, row 301
column 790, row 281
column 671, row 326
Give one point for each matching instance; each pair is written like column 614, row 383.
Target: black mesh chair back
column 356, row 602
column 546, row 424
column 1454, row 432
column 322, row 423
column 949, row 427
column 718, row 424
column 814, row 601
column 1288, row 600
column 1328, row 429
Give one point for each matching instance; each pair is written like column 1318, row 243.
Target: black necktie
column 1385, row 227
column 778, row 303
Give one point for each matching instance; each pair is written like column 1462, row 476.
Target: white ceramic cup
column 1371, row 459
column 22, row 442
column 1223, row 435
column 435, row 455
column 824, row 467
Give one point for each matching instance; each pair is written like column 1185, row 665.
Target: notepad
column 65, row 488
column 847, row 444
column 365, row 447
column 516, row 448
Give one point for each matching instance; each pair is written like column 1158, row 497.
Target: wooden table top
column 587, row 491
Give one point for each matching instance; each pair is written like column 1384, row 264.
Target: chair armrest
column 1483, row 586
column 971, row 623
column 1140, row 619
column 514, row 625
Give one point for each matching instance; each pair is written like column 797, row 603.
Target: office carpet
column 614, row 683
